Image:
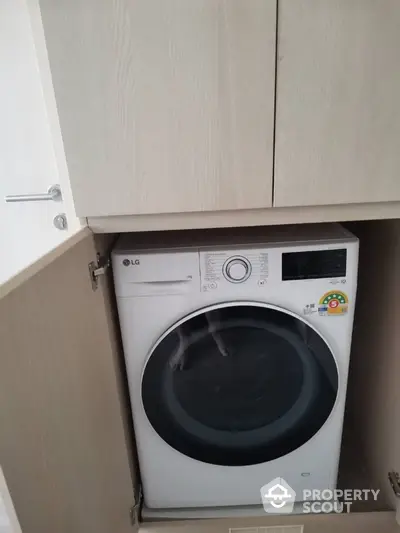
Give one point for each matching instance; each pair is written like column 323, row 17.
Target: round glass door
column 239, row 384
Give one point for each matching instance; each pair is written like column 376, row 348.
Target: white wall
column 8, row 519
column 31, row 151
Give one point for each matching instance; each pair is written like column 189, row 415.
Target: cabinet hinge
column 394, row 480
column 98, row 268
column 134, row 511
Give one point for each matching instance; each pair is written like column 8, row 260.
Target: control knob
column 237, row 270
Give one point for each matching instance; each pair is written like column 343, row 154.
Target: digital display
column 314, row 264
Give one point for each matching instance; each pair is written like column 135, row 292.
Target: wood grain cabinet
column 66, row 444
column 177, row 107
column 165, row 105
column 337, row 111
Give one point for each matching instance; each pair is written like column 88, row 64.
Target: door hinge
column 394, row 479
column 98, row 268
column 134, row 511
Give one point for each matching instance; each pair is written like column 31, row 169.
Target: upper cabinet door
column 165, row 105
column 338, row 112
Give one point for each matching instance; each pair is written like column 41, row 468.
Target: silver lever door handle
column 53, row 193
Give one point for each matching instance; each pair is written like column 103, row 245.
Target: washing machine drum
column 239, row 384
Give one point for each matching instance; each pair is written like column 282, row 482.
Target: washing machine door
column 239, row 384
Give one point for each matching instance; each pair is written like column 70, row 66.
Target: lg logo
column 131, row 262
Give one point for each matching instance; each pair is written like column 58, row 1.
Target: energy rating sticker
column 333, row 303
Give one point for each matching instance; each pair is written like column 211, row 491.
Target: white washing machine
column 237, row 356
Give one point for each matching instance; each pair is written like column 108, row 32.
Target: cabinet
column 65, row 446
column 165, row 106
column 168, row 110
column 337, row 113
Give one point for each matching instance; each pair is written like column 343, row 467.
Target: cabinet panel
column 383, row 522
column 338, row 118
column 64, row 446
column 375, row 356
column 165, row 105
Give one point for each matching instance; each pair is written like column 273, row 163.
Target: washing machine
column 237, row 353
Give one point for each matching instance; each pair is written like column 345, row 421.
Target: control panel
column 314, row 264
column 222, row 268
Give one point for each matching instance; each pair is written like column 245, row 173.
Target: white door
column 8, row 518
column 31, row 152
